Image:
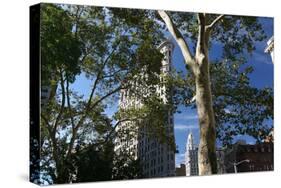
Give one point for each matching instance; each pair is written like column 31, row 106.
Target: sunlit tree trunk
column 207, row 145
column 200, row 67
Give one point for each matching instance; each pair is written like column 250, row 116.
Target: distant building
column 180, row 171
column 258, row 157
column 45, row 94
column 270, row 48
column 191, row 157
column 157, row 159
column 241, row 157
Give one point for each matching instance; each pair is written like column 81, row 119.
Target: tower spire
column 190, row 144
column 191, row 156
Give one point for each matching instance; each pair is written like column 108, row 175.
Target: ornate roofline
column 165, row 43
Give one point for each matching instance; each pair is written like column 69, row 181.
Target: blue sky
column 188, row 120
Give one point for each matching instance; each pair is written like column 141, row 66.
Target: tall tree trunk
column 63, row 175
column 207, row 145
column 207, row 161
column 61, row 172
column 200, row 66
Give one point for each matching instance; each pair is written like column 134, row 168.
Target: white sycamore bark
column 200, row 66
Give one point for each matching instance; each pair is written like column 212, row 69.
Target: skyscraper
column 191, row 157
column 157, row 158
column 270, row 48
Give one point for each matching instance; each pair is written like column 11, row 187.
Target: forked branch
column 215, row 21
column 177, row 36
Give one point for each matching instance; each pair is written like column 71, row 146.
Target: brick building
column 258, row 157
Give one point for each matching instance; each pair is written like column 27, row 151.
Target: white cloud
column 186, row 117
column 226, row 110
column 182, row 127
column 229, row 111
column 251, row 142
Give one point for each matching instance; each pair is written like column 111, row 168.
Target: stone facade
column 157, row 159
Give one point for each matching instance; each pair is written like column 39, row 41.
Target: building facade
column 240, row 157
column 191, row 157
column 249, row 158
column 156, row 158
column 181, row 171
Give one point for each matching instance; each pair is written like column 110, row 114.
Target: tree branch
column 113, row 129
column 49, row 127
column 84, row 117
column 178, row 37
column 110, row 74
column 62, row 103
column 75, row 128
column 201, row 50
column 88, row 105
column 215, row 21
column 105, row 96
column 77, row 20
column 68, row 103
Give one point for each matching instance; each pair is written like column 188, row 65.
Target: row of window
column 160, row 158
column 158, row 170
column 256, row 149
column 252, row 167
